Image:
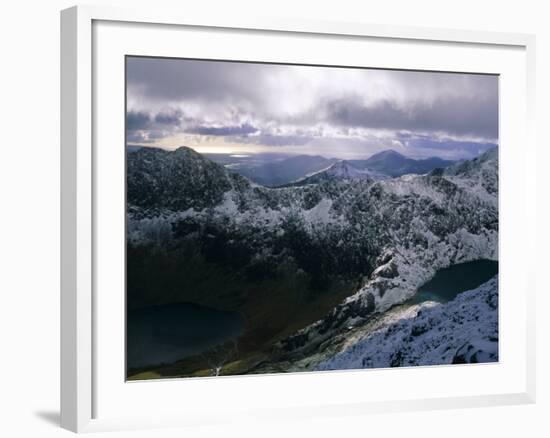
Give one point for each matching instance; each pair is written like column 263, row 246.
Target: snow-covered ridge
column 341, row 170
column 464, row 330
column 401, row 230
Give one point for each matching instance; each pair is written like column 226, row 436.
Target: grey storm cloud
column 243, row 129
column 289, row 105
column 136, row 120
column 172, row 79
column 146, row 128
column 169, row 118
column 462, row 116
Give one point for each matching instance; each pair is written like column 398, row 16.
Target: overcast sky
column 236, row 107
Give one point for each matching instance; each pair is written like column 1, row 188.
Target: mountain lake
column 164, row 334
column 447, row 283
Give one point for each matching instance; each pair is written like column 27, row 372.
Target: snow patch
column 464, row 330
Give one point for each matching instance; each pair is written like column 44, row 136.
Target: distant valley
column 272, row 170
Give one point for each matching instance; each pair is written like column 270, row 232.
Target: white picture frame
column 84, row 371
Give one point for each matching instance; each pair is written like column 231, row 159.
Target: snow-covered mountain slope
column 341, row 170
column 464, row 330
column 391, row 235
column 427, row 223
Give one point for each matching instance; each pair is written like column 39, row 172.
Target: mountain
column 177, row 180
column 384, row 165
column 283, row 171
column 431, row 221
column 394, row 164
column 382, row 239
column 341, row 170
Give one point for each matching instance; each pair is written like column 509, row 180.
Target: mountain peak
column 185, row 150
column 343, row 168
column 395, row 164
column 388, row 154
column 177, row 180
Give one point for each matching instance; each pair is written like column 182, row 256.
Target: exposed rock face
column 161, row 180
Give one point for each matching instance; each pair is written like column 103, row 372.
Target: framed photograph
column 260, row 208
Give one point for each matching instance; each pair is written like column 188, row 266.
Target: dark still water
column 165, row 334
column 449, row 282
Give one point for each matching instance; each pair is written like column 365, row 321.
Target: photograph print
column 286, row 218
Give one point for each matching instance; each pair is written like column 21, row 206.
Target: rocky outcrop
column 464, row 330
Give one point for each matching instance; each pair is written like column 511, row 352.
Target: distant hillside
column 341, row 170
column 283, row 171
column 384, row 165
column 394, row 164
